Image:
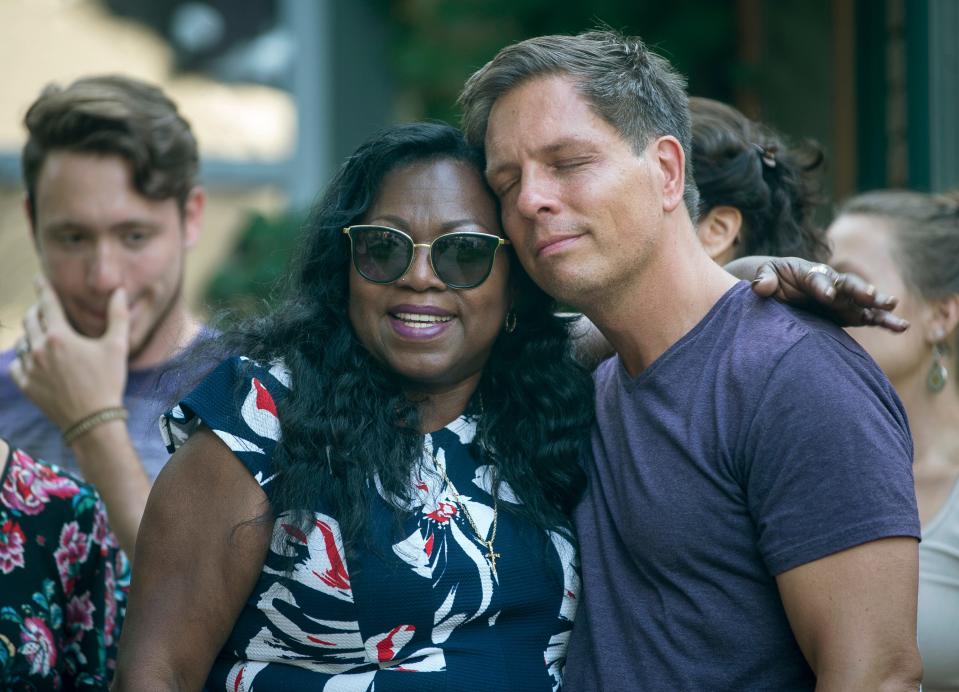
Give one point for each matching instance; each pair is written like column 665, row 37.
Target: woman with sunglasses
column 408, row 529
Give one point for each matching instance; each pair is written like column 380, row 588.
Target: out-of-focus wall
column 59, row 40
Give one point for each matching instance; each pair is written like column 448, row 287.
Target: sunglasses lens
column 464, row 260
column 380, row 254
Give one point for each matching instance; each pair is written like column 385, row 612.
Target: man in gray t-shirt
column 149, row 392
column 705, row 492
column 113, row 206
column 749, row 523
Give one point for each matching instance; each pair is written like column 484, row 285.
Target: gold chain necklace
column 491, row 556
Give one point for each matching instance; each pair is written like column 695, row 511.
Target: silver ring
column 818, row 269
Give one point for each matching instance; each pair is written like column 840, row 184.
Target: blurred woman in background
column 757, row 195
column 907, row 243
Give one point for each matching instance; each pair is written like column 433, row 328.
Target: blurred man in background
column 113, row 205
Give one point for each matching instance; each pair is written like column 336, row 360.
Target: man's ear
column 193, row 216
column 672, row 165
column 942, row 318
column 718, row 232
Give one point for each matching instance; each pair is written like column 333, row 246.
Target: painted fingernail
column 871, row 291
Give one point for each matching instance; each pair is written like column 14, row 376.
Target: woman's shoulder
column 237, row 401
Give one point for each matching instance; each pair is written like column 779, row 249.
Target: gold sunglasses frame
column 500, row 242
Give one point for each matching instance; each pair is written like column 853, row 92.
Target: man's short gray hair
column 636, row 91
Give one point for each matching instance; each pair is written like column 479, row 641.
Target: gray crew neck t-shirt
column 764, row 439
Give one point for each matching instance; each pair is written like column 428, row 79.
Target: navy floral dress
column 420, row 610
column 63, row 581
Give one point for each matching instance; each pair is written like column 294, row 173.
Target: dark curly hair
column 348, row 418
column 740, row 163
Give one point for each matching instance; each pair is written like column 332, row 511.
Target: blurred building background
column 280, row 91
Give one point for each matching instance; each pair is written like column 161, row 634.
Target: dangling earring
column 510, row 325
column 938, row 374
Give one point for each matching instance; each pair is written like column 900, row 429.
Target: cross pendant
column 490, row 555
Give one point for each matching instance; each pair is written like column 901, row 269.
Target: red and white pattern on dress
column 176, row 428
column 336, row 647
column 333, row 647
column 259, row 411
column 304, row 617
column 483, row 479
column 282, row 374
column 555, row 655
column 324, row 568
column 442, row 528
column 259, row 414
column 240, row 678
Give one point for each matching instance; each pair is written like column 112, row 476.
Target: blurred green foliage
column 247, row 279
column 437, row 44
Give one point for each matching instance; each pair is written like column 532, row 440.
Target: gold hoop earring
column 938, row 374
column 510, row 325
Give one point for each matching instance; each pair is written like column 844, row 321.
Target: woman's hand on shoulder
column 200, row 549
column 845, row 298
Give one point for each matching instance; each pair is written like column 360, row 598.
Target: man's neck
column 669, row 296
column 177, row 331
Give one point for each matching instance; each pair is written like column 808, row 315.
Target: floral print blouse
column 422, row 608
column 63, row 581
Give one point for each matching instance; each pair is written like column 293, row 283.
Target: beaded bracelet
column 88, row 423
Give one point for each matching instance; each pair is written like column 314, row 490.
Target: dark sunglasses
column 462, row 259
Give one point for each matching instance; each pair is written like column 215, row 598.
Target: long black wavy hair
column 740, row 163
column 348, row 419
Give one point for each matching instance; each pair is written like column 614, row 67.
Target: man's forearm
column 109, row 462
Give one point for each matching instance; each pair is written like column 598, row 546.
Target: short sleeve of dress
column 237, row 401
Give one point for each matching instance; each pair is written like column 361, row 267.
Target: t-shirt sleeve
column 238, row 402
column 828, row 456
